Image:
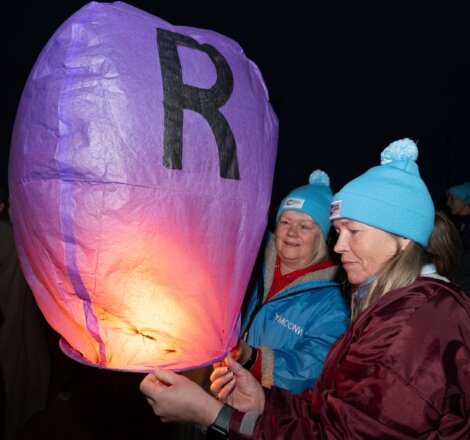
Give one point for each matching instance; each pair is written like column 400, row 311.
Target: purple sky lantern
column 140, row 178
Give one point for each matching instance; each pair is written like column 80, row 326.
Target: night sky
column 345, row 78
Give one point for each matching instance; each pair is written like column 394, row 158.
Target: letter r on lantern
column 178, row 96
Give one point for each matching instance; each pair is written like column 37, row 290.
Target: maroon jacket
column 402, row 371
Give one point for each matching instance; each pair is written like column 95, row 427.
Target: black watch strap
column 219, row 429
column 252, row 360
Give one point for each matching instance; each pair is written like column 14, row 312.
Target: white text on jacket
column 289, row 324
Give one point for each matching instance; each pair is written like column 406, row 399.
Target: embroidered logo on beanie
column 293, row 203
column 335, row 209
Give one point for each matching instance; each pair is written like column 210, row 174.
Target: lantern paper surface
column 140, row 178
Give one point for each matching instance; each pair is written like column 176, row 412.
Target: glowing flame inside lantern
column 143, row 310
column 154, row 324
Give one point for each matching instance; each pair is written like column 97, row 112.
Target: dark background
column 345, row 77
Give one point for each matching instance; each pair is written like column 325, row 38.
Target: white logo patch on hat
column 335, row 209
column 294, row 203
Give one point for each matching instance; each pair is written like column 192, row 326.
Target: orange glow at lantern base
column 148, row 306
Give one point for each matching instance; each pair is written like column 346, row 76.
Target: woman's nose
column 340, row 245
column 292, row 230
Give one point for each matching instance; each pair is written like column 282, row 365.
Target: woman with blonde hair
column 401, row 370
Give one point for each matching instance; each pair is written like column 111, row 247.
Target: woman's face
column 456, row 205
column 364, row 249
column 297, row 239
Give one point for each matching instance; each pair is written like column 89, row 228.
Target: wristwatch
column 252, row 360
column 219, row 429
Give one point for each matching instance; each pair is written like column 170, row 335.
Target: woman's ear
column 404, row 242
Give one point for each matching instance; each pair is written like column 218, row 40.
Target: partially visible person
column 24, row 351
column 444, row 248
column 401, row 369
column 458, row 202
column 296, row 309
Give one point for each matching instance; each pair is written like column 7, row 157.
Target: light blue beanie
column 391, row 197
column 462, row 192
column 313, row 199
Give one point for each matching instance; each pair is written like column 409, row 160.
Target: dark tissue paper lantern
column 140, row 175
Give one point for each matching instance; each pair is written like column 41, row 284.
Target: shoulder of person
column 404, row 319
column 425, row 298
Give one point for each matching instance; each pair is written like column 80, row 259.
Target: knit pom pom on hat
column 319, row 177
column 391, row 197
column 403, row 149
column 313, row 199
